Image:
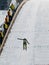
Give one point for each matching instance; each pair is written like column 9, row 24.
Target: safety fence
column 11, row 24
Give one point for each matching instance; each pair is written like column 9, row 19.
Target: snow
column 32, row 23
column 3, row 14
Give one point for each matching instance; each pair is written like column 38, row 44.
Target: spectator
column 12, row 7
column 5, row 27
column 1, row 37
column 7, row 19
column 10, row 14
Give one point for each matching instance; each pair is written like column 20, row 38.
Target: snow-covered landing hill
column 31, row 23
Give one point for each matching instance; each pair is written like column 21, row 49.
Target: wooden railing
column 11, row 24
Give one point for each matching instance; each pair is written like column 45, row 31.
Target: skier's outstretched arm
column 19, row 39
column 27, row 42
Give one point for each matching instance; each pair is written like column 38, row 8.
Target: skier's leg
column 25, row 46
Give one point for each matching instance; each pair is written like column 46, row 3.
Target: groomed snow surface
column 31, row 23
